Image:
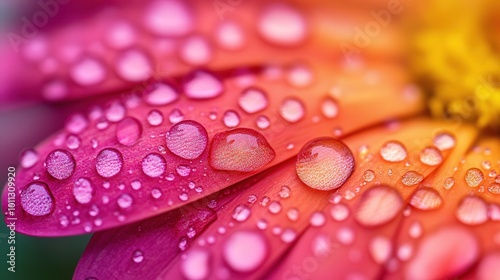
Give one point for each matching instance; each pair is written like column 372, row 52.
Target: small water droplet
column 195, row 264
column 169, row 18
column 339, row 212
column 449, row 182
column 196, row 50
column 472, row 210
column 29, row 158
column 393, row 151
column 262, row 122
column 73, row 142
column 137, row 256
column 175, row 116
column 240, row 149
column 159, row 94
column 252, row 243
column 329, row 108
column 345, row 236
column 230, row 35
column 380, row 249
column 378, row 205
column 133, row 65
column 241, row 213
column 187, row 139
column 109, row 162
column 292, row 110
column 88, row 72
column 252, row 198
column 494, row 188
column 183, row 196
column 369, row 175
column 83, row 191
column 115, row 112
column 231, row 119
column 37, row 200
column 284, row 192
column 124, row 201
column 444, row 141
column 300, row 75
column 317, row 219
column 274, row 207
column 282, row 24
column 76, row 124
column 153, row 165
column 288, row 235
column 293, row 214
column 202, row 84
column 60, row 164
column 412, row 178
column 253, row 100
column 183, row 170
column 128, row 131
column 324, row 164
column 474, row 177
column 415, row 230
column 426, row 199
column 431, row 156
column 155, row 118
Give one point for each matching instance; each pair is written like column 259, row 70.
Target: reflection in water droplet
column 282, row 24
column 472, row 210
column 253, row 100
column 253, row 245
column 324, row 164
column 60, row 164
column 474, row 177
column 240, row 149
column 202, row 84
column 444, row 141
column 37, row 200
column 431, row 156
column 292, row 110
column 153, row 165
column 378, row 206
column 83, row 190
column 426, row 199
column 109, row 162
column 393, row 151
column 231, row 119
column 128, row 131
column 412, row 178
column 187, row 139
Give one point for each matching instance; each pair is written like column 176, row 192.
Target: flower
column 309, row 166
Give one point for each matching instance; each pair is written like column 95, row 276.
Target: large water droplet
column 109, row 162
column 282, row 24
column 133, row 65
column 253, row 100
column 472, row 210
column 393, row 151
column 324, row 164
column 474, row 177
column 187, row 139
column 231, row 119
column 195, row 264
column 60, row 164
column 202, row 84
column 83, row 190
column 292, row 110
column 128, row 131
column 169, row 18
column 412, row 178
column 37, row 200
column 245, row 251
column 88, row 72
column 160, row 94
column 426, row 199
column 444, row 141
column 240, row 149
column 29, row 158
column 153, row 165
column 241, row 213
column 431, row 156
column 378, row 206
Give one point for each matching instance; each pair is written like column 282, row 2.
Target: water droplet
column 60, row 164
column 121, row 35
column 88, row 72
column 329, row 108
column 252, row 198
column 202, row 84
column 317, row 219
column 282, row 24
column 284, row 192
column 369, row 175
column 449, row 182
column 183, row 170
column 124, row 201
column 494, row 188
column 274, row 207
column 83, row 190
column 240, row 149
column 345, row 236
column 262, row 122
column 76, row 124
column 115, row 111
column 378, row 206
column 109, row 162
column 300, row 75
column 195, row 264
column 133, row 65
column 393, row 151
column 415, row 230
column 472, row 210
column 324, row 164
column 292, row 110
column 265, row 200
column 241, row 213
column 128, row 131
column 155, row 118
column 253, row 245
column 431, row 156
column 153, row 165
column 339, row 212
column 73, row 142
column 426, row 199
column 187, row 139
column 231, row 119
column 230, row 35
column 37, row 200
column 183, row 196
column 412, row 178
column 474, row 177
column 488, row 268
column 137, row 256
column 175, row 116
column 253, row 100
column 293, row 214
column 158, row 94
column 196, row 50
column 29, row 158
column 380, row 249
column 288, row 235
column 444, row 141
column 169, row 18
